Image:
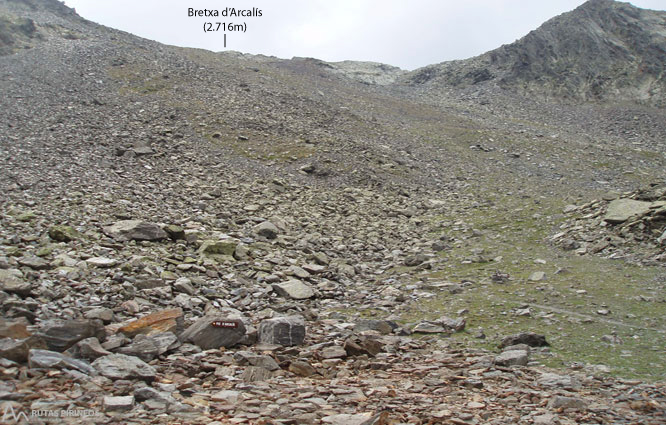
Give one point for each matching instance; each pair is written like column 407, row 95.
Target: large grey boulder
column 148, row 347
column 285, row 331
column 138, row 230
column 51, row 360
column 266, row 229
column 62, row 334
column 214, row 331
column 121, row 366
column 294, row 289
column 512, row 358
column 12, row 281
column 621, row 210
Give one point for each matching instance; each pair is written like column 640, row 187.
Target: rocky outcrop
column 602, row 51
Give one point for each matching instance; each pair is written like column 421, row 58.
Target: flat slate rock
column 127, row 230
column 294, row 289
column 62, row 334
column 51, row 360
column 34, row 262
column 102, row 262
column 148, row 347
column 621, row 210
column 118, row 403
column 121, row 366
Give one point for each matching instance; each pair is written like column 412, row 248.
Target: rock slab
column 127, row 230
column 294, row 289
column 121, row 366
column 62, row 334
column 621, row 210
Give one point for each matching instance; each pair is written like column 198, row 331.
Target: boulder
column 295, row 289
column 218, row 248
column 214, row 331
column 621, row 210
column 62, row 233
column 138, row 230
column 528, row 338
column 121, row 366
column 62, row 334
column 12, row 281
column 358, row 346
column 51, row 360
column 512, row 358
column 266, row 229
column 286, row 331
column 18, row 350
column 148, row 347
column 175, row 232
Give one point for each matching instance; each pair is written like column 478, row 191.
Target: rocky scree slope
column 147, row 187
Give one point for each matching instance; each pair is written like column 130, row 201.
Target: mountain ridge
column 602, row 50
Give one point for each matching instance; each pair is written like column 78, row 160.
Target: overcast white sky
column 408, row 34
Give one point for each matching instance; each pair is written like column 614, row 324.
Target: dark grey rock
column 148, row 347
column 384, row 327
column 62, row 334
column 88, row 348
column 248, row 358
column 529, row 338
column 214, row 331
column 104, row 314
column 363, row 345
column 286, row 331
column 121, row 366
column 512, row 358
column 267, row 230
column 51, row 360
column 17, row 350
column 563, row 402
